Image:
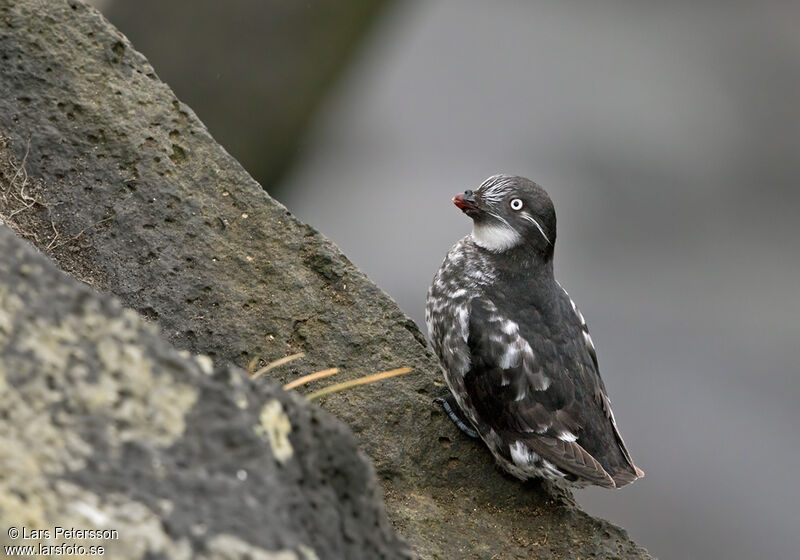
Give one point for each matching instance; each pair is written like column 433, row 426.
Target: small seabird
column 516, row 351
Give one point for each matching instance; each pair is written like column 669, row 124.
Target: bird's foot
column 456, row 415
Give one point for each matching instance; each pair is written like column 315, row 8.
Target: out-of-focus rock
column 108, row 428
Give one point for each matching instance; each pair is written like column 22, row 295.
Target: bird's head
column 510, row 212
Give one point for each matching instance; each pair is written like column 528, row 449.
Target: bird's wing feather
column 535, row 383
column 571, row 457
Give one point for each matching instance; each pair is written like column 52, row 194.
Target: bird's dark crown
column 511, row 213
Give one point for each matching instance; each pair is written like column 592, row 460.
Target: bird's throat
column 495, row 237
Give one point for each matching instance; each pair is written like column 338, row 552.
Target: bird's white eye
column 516, row 204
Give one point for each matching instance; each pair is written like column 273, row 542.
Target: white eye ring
column 516, row 204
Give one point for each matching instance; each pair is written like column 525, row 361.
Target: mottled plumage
column 516, row 352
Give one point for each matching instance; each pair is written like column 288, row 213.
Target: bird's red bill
column 463, row 203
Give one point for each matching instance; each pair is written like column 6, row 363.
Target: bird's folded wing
column 571, row 457
column 524, row 395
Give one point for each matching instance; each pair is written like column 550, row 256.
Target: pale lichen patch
column 307, row 552
column 141, row 531
column 142, row 404
column 52, row 344
column 205, row 363
column 275, row 427
column 9, row 305
column 229, row 547
column 238, row 389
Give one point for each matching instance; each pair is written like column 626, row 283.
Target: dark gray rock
column 105, row 426
column 134, row 197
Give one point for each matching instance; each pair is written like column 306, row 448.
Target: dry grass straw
column 367, row 380
column 22, row 206
column 311, row 377
column 277, row 363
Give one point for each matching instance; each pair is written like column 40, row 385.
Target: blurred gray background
column 668, row 136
